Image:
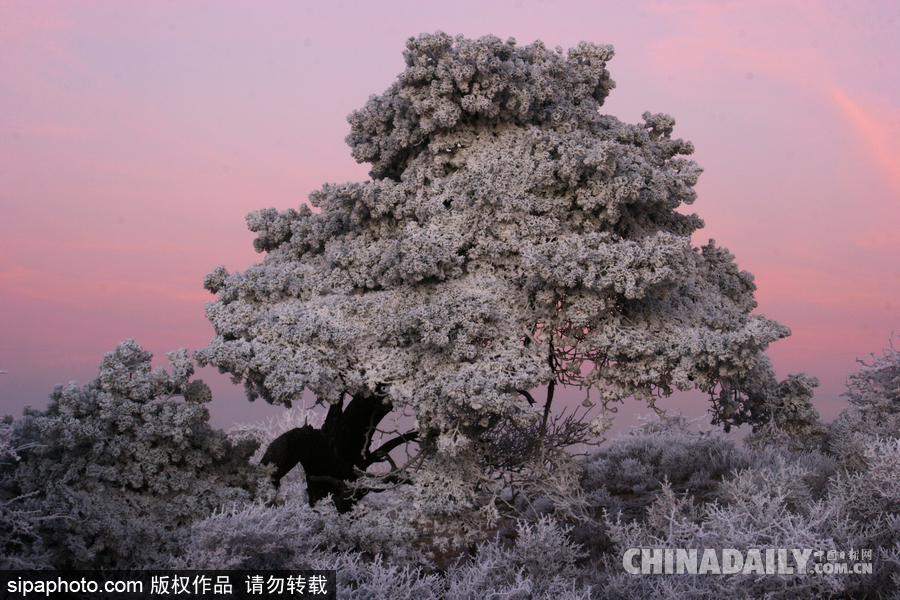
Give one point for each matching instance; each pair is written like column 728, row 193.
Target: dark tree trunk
column 330, row 455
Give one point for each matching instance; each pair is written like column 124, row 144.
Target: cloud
column 880, row 132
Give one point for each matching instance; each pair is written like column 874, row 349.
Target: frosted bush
column 377, row 580
column 360, row 579
column 864, row 495
column 541, row 559
column 864, row 506
column 253, row 536
column 842, row 495
column 377, row 557
column 533, row 469
column 20, row 545
column 793, row 422
column 128, row 461
column 768, row 507
column 627, row 475
column 874, row 412
column 541, row 563
column 876, row 384
column 293, row 535
column 769, row 498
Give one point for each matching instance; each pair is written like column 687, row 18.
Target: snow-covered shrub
column 125, row 465
column 864, row 506
column 542, row 562
column 793, row 421
column 841, row 495
column 864, row 496
column 251, row 536
column 767, row 506
column 877, row 384
column 361, row 579
column 20, row 544
column 293, row 535
column 532, row 469
column 874, row 411
column 513, row 472
column 376, row 556
column 628, row 474
column 874, row 493
column 769, row 498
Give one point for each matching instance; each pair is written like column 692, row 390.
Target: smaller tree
column 792, row 419
column 876, row 385
column 120, row 466
column 874, row 412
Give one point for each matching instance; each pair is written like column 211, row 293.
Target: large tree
column 511, row 238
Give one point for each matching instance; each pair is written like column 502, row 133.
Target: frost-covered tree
column 793, row 420
column 113, row 472
column 511, row 238
column 874, row 412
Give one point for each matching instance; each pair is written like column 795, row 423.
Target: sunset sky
column 135, row 137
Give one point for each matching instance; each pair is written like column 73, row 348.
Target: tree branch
column 383, row 450
column 528, row 397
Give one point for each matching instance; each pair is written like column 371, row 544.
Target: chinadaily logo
column 758, row 561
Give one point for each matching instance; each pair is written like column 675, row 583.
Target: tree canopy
column 511, row 237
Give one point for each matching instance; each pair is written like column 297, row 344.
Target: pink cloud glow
column 879, row 132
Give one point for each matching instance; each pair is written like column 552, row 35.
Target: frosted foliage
column 664, row 486
column 375, row 557
column 118, row 466
column 511, row 235
column 874, row 395
column 793, row 422
column 877, row 384
column 454, row 86
column 627, row 476
column 22, row 546
column 752, row 499
column 294, row 536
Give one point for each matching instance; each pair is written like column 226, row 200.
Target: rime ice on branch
column 511, row 237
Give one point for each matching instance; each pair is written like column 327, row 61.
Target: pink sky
column 135, row 136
